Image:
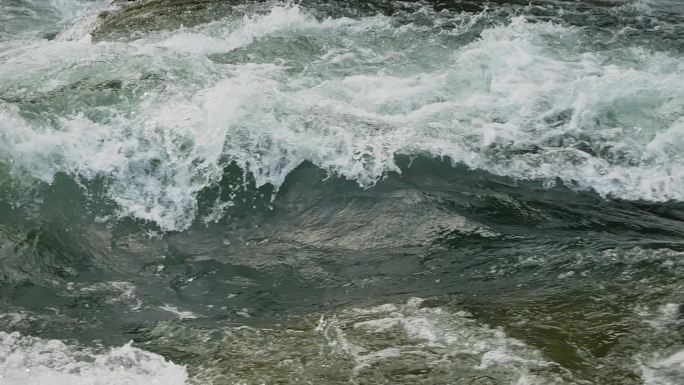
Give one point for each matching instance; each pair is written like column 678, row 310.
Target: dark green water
column 341, row 192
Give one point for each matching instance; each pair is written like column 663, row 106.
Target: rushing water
column 341, row 192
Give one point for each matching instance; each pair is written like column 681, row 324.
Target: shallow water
column 341, row 192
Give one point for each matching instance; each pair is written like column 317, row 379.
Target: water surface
column 333, row 192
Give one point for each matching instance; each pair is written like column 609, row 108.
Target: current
column 242, row 192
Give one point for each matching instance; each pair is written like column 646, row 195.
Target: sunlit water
column 336, row 192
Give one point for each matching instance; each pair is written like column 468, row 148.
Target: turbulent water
column 341, row 192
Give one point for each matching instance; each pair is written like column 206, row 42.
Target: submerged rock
column 133, row 18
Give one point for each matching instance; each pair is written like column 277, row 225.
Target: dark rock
column 134, row 18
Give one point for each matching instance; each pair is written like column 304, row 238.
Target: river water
column 341, row 192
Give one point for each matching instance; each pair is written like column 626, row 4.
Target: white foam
column 437, row 336
column 521, row 86
column 84, row 22
column 667, row 316
column 15, row 318
column 28, row 360
column 181, row 314
column 113, row 293
column 216, row 38
column 667, row 370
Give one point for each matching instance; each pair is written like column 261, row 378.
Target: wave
column 159, row 118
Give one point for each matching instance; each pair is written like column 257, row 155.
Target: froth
column 28, row 361
column 668, row 370
column 438, row 336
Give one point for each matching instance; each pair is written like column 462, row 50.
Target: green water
column 218, row 192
